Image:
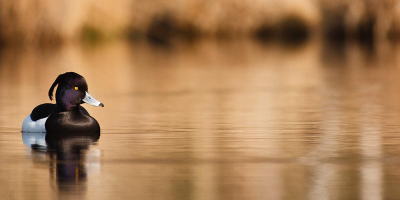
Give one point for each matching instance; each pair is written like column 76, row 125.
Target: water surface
column 211, row 120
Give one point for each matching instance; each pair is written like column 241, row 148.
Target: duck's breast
column 72, row 122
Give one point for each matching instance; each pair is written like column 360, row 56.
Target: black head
column 71, row 90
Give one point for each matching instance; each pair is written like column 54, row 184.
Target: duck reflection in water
column 67, row 155
column 70, row 156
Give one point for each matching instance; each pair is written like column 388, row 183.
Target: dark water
column 210, row 120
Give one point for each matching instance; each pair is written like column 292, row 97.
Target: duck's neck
column 64, row 105
column 67, row 107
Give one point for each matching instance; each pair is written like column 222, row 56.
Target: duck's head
column 72, row 91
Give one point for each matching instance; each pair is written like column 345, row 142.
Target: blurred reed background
column 59, row 21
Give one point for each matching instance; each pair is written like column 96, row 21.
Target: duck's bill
column 92, row 101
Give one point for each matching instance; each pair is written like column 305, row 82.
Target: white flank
column 30, row 126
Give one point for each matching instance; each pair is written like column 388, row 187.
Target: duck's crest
column 53, row 86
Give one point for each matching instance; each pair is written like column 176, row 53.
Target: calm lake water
column 210, row 120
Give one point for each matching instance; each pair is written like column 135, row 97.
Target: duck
column 66, row 115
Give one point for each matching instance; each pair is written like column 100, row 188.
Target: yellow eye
column 76, row 88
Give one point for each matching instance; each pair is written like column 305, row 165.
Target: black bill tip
column 101, row 104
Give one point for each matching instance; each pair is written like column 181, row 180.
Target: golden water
column 212, row 120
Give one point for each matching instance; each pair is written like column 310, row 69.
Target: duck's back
column 43, row 111
column 35, row 122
